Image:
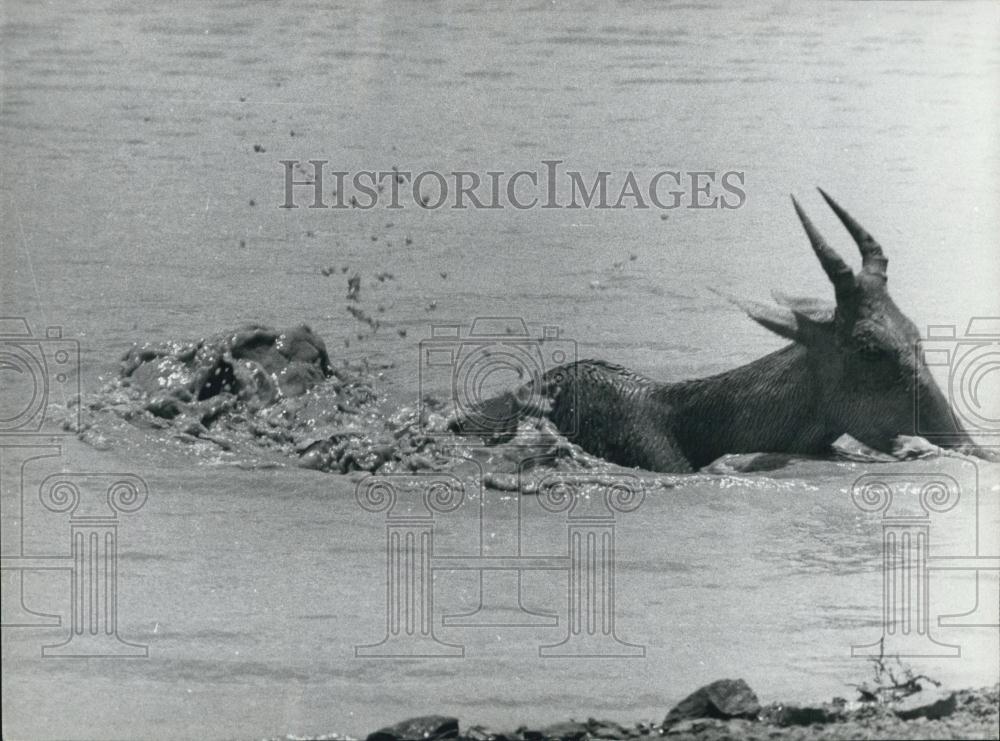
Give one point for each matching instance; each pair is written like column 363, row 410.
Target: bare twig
column 890, row 685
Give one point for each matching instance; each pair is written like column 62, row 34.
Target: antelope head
column 865, row 376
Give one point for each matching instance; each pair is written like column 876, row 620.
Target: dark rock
column 527, row 734
column 427, row 728
column 795, row 715
column 722, row 699
column 693, row 726
column 482, row 733
column 712, row 729
column 929, row 703
column 608, row 729
column 568, row 731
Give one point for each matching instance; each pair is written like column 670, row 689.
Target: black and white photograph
column 499, row 371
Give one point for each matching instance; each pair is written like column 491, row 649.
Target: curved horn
column 872, row 259
column 834, row 266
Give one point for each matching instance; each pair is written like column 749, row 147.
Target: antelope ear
column 780, row 321
column 815, row 327
column 806, row 326
column 807, row 321
column 815, row 309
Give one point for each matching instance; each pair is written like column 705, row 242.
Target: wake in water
column 262, row 397
column 259, row 396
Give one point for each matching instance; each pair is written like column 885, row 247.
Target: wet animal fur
column 852, row 368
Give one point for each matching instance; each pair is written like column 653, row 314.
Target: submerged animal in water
column 851, row 368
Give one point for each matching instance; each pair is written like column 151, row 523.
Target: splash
column 258, row 396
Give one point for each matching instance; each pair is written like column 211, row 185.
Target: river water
column 136, row 207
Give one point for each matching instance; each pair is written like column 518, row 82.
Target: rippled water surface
column 134, row 207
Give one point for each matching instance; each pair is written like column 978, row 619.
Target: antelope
column 851, row 368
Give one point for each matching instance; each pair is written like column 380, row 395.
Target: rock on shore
column 725, row 710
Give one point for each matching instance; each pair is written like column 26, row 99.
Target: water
column 129, row 167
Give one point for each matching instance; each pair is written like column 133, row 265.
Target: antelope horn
column 834, row 266
column 872, row 259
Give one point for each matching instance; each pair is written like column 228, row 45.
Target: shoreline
column 728, row 709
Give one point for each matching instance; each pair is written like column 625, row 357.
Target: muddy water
column 128, row 140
